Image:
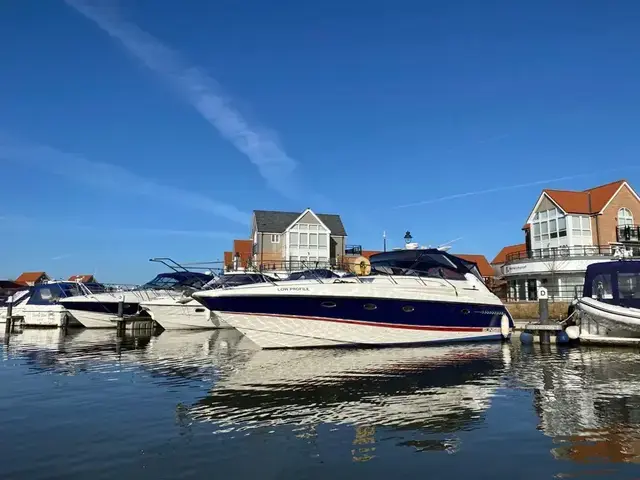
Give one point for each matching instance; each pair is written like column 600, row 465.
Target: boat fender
column 572, row 332
column 562, row 338
column 526, row 338
column 504, row 326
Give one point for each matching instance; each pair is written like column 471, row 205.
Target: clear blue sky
column 135, row 130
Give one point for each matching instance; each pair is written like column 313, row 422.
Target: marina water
column 205, row 404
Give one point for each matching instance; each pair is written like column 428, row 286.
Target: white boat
column 100, row 307
column 182, row 312
column 39, row 306
column 412, row 297
column 609, row 308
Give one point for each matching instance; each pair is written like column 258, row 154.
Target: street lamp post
column 407, row 237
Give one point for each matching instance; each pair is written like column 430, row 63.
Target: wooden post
column 543, row 307
column 120, row 320
column 8, row 325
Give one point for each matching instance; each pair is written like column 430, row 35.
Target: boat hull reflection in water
column 442, row 388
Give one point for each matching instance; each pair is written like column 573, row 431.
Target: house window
column 625, row 217
column 275, row 238
column 309, row 242
column 549, row 224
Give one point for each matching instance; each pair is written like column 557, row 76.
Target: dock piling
column 9, row 323
column 543, row 307
column 120, row 323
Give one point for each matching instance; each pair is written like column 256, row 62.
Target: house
column 509, row 252
column 484, row 267
column 83, row 278
column 566, row 231
column 32, row 278
column 284, row 240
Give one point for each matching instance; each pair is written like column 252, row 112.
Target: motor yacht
column 410, row 297
column 99, row 308
column 180, row 311
column 610, row 304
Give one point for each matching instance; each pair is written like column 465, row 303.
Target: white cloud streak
column 11, row 223
column 201, row 91
column 112, row 178
column 508, row 187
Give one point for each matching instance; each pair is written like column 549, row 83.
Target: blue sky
column 130, row 130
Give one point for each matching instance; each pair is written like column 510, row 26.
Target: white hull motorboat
column 101, row 310
column 415, row 297
column 39, row 307
column 185, row 313
column 609, row 310
column 170, row 314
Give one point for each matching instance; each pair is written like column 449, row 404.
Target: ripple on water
column 148, row 405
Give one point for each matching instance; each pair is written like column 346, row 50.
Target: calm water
column 207, row 405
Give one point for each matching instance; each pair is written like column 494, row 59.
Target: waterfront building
column 564, row 233
column 32, row 278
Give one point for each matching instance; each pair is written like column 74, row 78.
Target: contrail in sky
column 112, row 177
column 508, row 187
column 201, row 91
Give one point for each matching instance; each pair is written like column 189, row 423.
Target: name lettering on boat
column 293, row 289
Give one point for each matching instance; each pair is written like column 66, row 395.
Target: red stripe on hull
column 370, row 324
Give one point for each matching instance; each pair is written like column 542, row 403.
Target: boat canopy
column 50, row 293
column 614, row 282
column 428, row 262
column 177, row 280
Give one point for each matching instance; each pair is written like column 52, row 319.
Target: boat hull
column 172, row 315
column 607, row 319
column 270, row 331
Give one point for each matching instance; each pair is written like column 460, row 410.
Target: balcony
column 353, row 250
column 628, row 233
column 566, row 253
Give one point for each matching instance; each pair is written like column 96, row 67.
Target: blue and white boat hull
column 376, row 313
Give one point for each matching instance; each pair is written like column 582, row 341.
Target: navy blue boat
column 411, row 297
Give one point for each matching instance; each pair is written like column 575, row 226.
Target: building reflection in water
column 588, row 401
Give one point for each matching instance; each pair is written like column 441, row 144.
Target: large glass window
column 625, row 217
column 308, row 242
column 549, row 224
column 601, row 287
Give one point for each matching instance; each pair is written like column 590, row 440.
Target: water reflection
column 587, row 400
column 431, row 400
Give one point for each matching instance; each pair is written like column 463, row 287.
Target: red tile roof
column 578, row 202
column 501, row 257
column 82, row 278
column 30, row 277
column 480, row 260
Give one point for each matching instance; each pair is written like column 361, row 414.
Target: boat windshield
column 235, row 280
column 49, row 293
column 313, row 274
column 423, row 263
column 615, row 282
column 178, row 280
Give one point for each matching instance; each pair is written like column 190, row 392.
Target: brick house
column 32, row 278
column 565, row 232
column 286, row 240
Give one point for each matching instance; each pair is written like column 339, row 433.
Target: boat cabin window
column 178, row 280
column 236, row 279
column 312, row 274
column 629, row 285
column 419, row 269
column 51, row 293
column 601, row 286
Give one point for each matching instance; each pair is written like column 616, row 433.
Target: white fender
column 504, row 326
column 573, row 332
